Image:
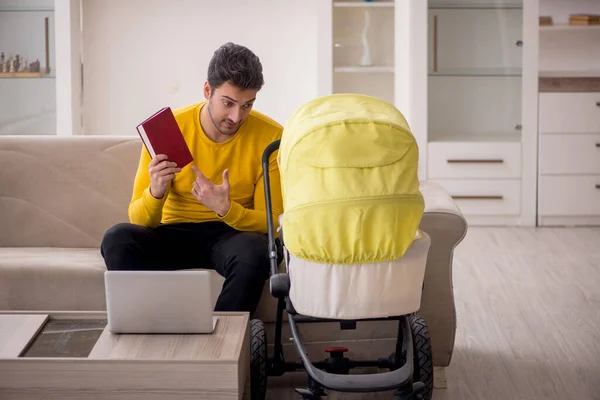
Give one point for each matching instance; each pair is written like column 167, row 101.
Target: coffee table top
column 86, row 335
column 224, row 344
column 15, row 332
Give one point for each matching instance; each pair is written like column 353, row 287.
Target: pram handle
column 272, row 147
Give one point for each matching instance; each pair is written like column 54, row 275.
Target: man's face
column 229, row 106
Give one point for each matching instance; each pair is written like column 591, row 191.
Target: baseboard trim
column 592, row 220
column 493, row 220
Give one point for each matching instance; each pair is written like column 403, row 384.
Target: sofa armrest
column 446, row 226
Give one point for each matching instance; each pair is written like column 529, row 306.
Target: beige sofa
column 58, row 195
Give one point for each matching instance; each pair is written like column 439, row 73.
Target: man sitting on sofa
column 211, row 213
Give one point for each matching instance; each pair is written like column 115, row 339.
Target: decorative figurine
column 34, row 66
column 17, row 65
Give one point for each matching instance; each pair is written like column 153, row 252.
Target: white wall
column 141, row 55
column 569, row 50
column 27, row 105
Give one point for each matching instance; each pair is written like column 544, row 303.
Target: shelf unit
column 51, row 103
column 569, row 117
column 480, row 99
column 363, row 33
column 458, row 72
column 27, row 98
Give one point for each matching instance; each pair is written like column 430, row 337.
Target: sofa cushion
column 71, row 279
column 50, row 278
column 64, row 191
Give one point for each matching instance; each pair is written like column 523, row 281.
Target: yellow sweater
column 242, row 154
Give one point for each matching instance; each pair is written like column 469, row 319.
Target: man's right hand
column 161, row 173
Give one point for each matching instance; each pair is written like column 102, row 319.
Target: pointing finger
column 200, row 175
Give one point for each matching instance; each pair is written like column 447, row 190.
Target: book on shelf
column 160, row 134
column 584, row 19
column 546, row 21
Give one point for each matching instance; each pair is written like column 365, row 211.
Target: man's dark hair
column 237, row 65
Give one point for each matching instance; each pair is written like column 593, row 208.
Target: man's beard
column 217, row 124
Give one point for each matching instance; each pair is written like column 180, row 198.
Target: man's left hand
column 215, row 197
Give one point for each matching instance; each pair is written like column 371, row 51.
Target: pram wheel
column 423, row 363
column 258, row 360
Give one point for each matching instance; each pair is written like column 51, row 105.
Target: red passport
column 161, row 135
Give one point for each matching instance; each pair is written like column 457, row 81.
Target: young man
column 211, row 213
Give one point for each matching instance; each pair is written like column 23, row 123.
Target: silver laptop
column 150, row 302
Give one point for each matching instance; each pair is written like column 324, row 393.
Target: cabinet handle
column 598, row 145
column 518, row 127
column 519, row 43
column 478, row 197
column 435, row 43
column 491, row 161
column 597, row 186
column 598, row 103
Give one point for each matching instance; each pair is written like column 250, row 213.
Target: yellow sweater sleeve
column 145, row 209
column 244, row 219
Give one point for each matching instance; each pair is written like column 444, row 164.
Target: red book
column 161, row 135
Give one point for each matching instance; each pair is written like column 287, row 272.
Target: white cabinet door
column 475, row 39
column 570, row 154
column 569, row 195
column 569, row 113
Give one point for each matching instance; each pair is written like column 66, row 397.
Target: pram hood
column 348, row 165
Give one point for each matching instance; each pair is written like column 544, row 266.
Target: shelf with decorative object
column 27, row 67
column 27, row 75
column 363, row 42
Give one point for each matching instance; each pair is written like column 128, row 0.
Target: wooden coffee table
column 72, row 355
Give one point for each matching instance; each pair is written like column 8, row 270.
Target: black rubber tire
column 423, row 362
column 258, row 360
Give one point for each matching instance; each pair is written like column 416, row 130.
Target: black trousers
column 240, row 257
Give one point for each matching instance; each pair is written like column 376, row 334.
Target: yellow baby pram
column 353, row 250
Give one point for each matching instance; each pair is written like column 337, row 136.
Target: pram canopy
column 348, row 165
